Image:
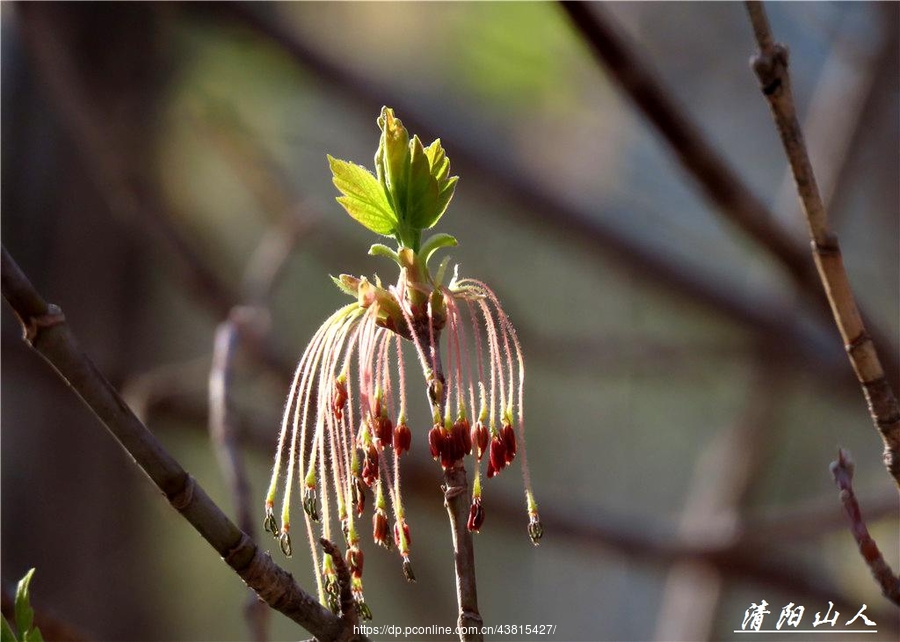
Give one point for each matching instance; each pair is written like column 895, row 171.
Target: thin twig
column 842, row 471
column 771, row 68
column 720, row 183
column 46, row 331
column 224, row 433
column 456, row 500
column 834, row 118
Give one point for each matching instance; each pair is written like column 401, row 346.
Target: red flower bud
column 355, row 561
column 436, row 441
column 370, row 469
column 508, row 435
column 380, row 529
column 498, row 454
column 359, row 496
column 405, row 535
column 476, row 515
column 338, row 399
column 465, row 434
column 491, row 471
column 480, row 438
column 384, row 432
column 402, row 439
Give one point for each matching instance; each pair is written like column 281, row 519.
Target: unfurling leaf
column 363, row 197
column 393, row 152
column 24, row 613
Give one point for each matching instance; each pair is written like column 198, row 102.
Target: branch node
column 769, row 67
column 231, row 557
column 860, row 340
column 33, row 326
column 453, row 491
column 827, row 247
column 183, row 498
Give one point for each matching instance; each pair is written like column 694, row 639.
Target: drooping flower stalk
column 345, row 424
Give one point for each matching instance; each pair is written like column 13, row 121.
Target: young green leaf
column 363, row 197
column 24, row 612
column 423, row 193
column 33, row 635
column 379, row 249
column 394, row 148
column 6, row 633
column 434, row 243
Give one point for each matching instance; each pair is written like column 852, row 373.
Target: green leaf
column 33, row 635
column 363, row 197
column 6, row 633
column 24, row 612
column 346, row 284
column 379, row 249
column 437, row 159
column 395, row 149
column 434, row 243
column 444, row 200
column 423, row 193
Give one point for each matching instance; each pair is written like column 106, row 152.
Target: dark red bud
column 384, row 432
column 436, row 441
column 476, row 516
column 402, row 439
column 380, row 529
column 508, row 435
column 405, row 535
column 498, row 454
column 480, row 439
column 359, row 496
column 465, row 432
column 355, row 561
column 370, row 469
column 491, row 471
column 339, row 399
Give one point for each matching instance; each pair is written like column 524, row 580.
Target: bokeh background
column 164, row 162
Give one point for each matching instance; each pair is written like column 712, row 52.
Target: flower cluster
column 345, row 425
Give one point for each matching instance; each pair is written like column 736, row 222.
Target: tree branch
column 224, row 434
column 456, row 500
column 46, row 331
column 771, row 68
column 842, row 471
column 720, row 183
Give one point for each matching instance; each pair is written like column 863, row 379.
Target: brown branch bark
column 46, row 332
column 771, row 68
column 456, row 500
column 842, row 471
column 720, row 183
